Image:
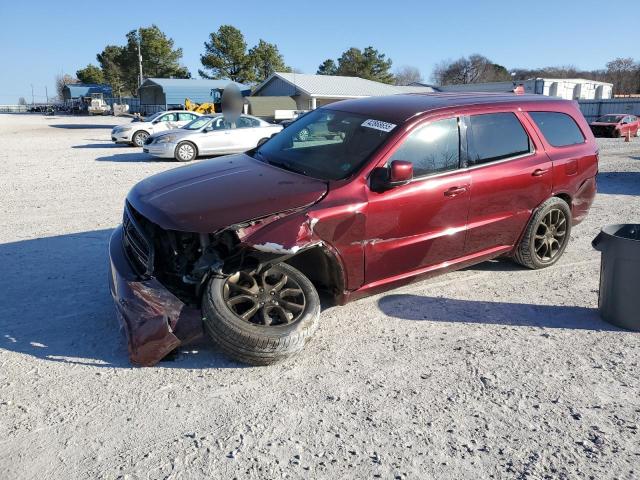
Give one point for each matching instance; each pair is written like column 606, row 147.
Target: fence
column 13, row 108
column 593, row 109
column 78, row 106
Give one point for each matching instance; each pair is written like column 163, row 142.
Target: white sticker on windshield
column 378, row 125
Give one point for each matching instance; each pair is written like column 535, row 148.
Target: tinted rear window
column 496, row 136
column 559, row 129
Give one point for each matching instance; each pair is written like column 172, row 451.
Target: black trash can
column 619, row 297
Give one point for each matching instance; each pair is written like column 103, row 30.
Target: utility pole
column 139, row 56
column 32, row 102
column 46, row 92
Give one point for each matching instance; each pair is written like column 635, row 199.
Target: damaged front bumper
column 154, row 320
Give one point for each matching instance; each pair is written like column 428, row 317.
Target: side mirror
column 400, row 172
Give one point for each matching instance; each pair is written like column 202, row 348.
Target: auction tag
column 378, row 125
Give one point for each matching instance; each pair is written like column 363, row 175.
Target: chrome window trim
column 474, row 167
column 503, row 160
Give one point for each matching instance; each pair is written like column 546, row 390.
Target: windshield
column 325, row 144
column 610, row 119
column 198, row 123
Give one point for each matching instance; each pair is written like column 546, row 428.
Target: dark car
column 616, row 125
column 413, row 186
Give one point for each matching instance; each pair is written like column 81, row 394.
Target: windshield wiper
column 286, row 166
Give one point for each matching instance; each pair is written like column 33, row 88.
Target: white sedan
column 211, row 135
column 137, row 132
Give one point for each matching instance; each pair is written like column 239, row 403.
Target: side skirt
column 425, row 273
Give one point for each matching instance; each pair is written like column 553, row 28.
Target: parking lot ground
column 491, row 372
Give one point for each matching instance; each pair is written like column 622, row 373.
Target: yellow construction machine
column 203, row 108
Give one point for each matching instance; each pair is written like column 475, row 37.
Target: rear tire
column 546, row 235
column 253, row 339
column 185, row 152
column 139, row 138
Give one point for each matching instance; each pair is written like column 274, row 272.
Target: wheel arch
column 323, row 268
column 564, row 196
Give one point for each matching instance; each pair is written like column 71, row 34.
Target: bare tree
column 473, row 69
column 624, row 73
column 562, row 71
column 61, row 81
column 407, row 75
column 22, row 101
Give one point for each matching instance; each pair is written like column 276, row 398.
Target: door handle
column 538, row 172
column 453, row 191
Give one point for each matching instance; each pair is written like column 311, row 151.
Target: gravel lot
column 490, row 372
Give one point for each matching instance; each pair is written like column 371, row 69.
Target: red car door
column 624, row 126
column 510, row 176
column 422, row 224
column 632, row 125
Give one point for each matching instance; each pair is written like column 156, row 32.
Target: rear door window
column 247, row 122
column 559, row 129
column 495, row 136
column 433, row 148
column 185, row 117
column 169, row 117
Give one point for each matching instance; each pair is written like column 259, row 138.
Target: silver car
column 137, row 132
column 210, row 135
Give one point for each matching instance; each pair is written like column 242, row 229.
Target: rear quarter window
column 559, row 129
column 496, row 136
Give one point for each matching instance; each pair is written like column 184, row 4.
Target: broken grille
column 136, row 245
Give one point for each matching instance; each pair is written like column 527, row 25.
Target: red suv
column 406, row 187
column 616, row 125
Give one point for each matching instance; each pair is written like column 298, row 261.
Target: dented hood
column 216, row 193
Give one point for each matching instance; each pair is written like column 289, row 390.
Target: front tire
column 185, row 152
column 546, row 236
column 139, row 138
column 263, row 317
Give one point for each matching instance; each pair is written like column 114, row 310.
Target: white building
column 312, row 91
column 567, row 88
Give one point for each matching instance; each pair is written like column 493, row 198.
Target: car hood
column 216, row 193
column 178, row 132
column 133, row 124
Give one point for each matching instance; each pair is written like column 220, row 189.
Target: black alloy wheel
column 268, row 298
